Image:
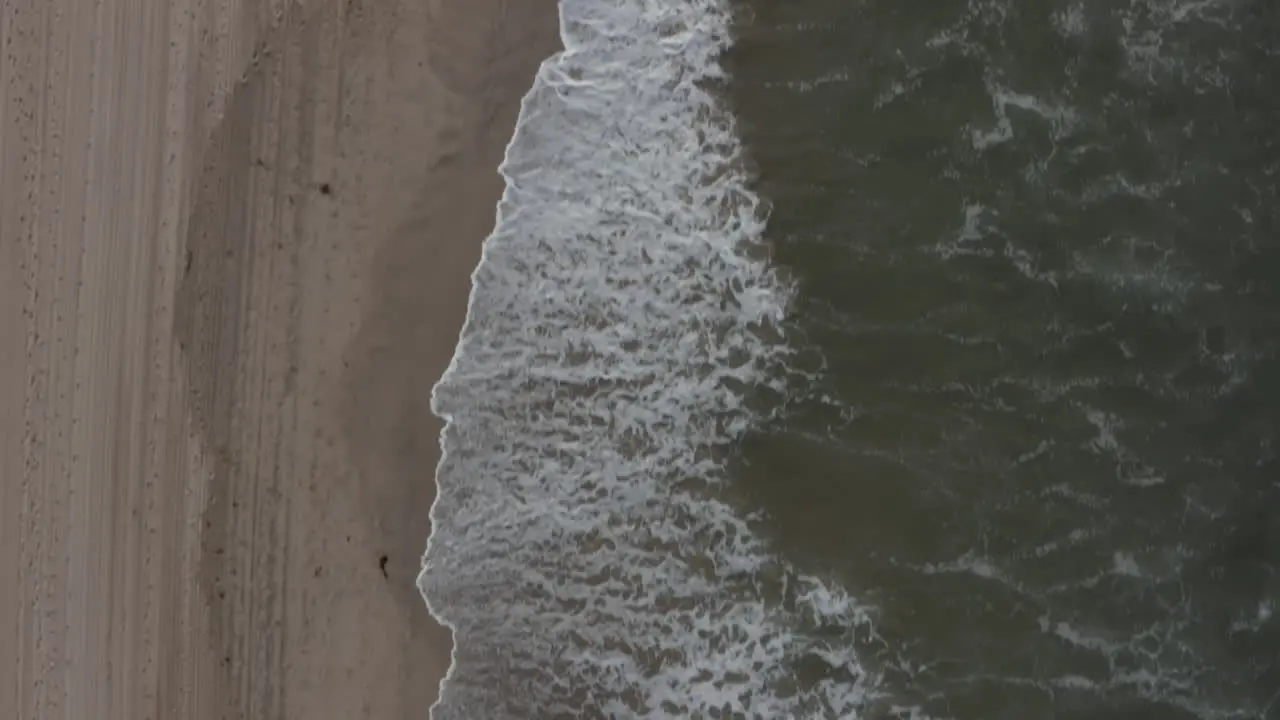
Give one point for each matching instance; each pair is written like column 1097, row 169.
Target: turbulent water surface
column 864, row 358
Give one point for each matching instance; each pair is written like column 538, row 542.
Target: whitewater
column 623, row 332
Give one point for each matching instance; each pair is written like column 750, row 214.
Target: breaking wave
column 624, row 331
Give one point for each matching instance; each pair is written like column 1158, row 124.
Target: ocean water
column 870, row 359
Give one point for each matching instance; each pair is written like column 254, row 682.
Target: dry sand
column 235, row 246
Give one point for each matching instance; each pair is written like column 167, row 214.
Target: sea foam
column 584, row 552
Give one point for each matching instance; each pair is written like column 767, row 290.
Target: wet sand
column 235, row 248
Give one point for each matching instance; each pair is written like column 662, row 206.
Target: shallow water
column 623, row 336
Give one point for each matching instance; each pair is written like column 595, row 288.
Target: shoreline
column 242, row 260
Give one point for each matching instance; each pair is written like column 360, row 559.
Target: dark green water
column 1039, row 270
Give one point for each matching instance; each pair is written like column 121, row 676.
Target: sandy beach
column 235, row 247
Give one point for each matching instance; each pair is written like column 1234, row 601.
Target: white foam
column 620, row 320
column 1062, row 119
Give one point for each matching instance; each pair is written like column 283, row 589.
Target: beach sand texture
column 235, row 247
